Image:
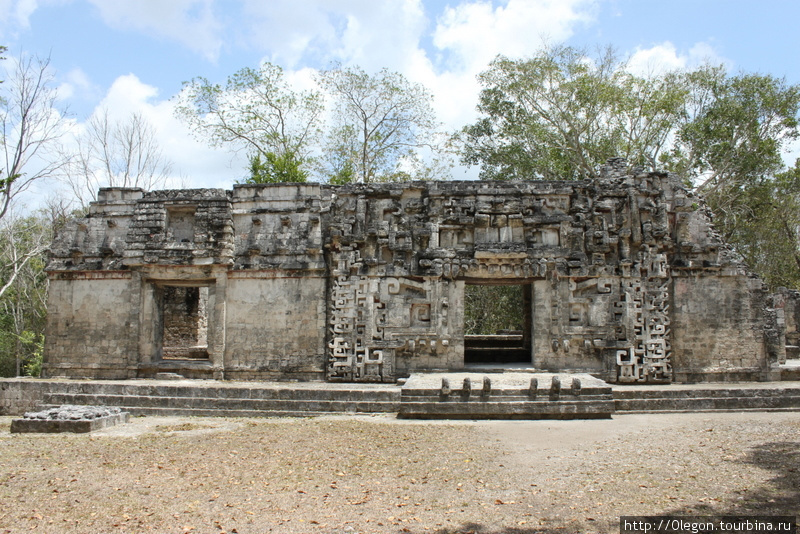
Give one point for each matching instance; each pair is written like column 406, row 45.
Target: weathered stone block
column 69, row 418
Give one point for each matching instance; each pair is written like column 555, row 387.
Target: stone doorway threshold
column 501, row 367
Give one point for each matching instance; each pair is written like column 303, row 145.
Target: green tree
column 275, row 169
column 23, row 242
column 733, row 138
column 490, row 309
column 383, row 124
column 257, row 111
column 766, row 225
column 557, row 115
column 730, row 146
column 561, row 114
column 30, row 128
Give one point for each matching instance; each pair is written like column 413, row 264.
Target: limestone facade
column 624, row 277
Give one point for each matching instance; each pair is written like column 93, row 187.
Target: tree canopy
column 257, row 111
column 381, row 121
column 379, row 124
column 30, row 129
column 562, row 113
column 557, row 115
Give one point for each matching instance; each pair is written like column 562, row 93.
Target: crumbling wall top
column 588, row 227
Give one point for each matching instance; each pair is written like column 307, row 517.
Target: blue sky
column 133, row 55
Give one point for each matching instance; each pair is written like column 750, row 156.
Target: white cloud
column 471, row 34
column 372, row 35
column 76, row 84
column 296, row 34
column 190, row 22
column 296, row 28
column 17, row 12
column 126, row 95
column 475, row 32
column 363, row 32
column 659, row 58
column 193, row 161
column 665, row 56
column 392, row 33
column 23, row 11
column 396, row 34
column 385, row 35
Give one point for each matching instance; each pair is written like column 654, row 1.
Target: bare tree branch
column 31, row 127
column 116, row 153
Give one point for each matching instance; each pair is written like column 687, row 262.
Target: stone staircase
column 504, row 395
column 508, row 395
column 781, row 396
column 221, row 399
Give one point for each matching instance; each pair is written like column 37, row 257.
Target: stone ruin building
column 622, row 277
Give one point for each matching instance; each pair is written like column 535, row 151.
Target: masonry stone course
column 624, row 274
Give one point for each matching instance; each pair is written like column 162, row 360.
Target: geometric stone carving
column 357, row 319
column 646, row 306
column 365, row 282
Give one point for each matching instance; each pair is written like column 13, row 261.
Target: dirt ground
column 361, row 474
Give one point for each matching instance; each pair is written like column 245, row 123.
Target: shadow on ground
column 779, row 497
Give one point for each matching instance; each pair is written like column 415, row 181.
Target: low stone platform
column 505, row 396
column 707, row 397
column 214, row 398
column 511, row 388
column 69, row 418
column 790, row 370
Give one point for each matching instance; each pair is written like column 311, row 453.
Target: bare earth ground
column 378, row 474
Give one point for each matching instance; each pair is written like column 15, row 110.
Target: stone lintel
column 489, row 255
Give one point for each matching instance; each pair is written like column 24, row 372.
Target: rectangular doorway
column 184, row 319
column 497, row 324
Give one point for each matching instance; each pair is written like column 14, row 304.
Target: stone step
column 336, row 393
column 543, row 409
column 509, row 392
column 622, row 392
column 704, row 403
column 133, row 402
column 499, row 397
column 790, row 373
column 707, row 410
column 210, row 412
column 509, row 397
column 556, row 396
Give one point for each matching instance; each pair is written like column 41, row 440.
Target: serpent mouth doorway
column 497, row 324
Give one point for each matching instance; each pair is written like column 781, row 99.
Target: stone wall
column 719, row 329
column 276, row 327
column 787, row 305
column 20, row 395
column 92, row 325
column 627, row 280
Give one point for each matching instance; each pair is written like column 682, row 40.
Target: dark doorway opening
column 497, row 324
column 184, row 317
